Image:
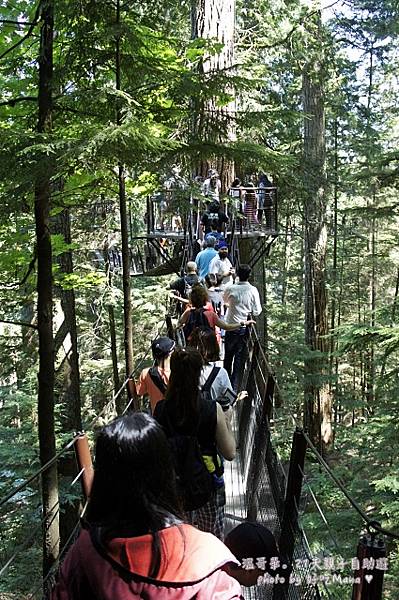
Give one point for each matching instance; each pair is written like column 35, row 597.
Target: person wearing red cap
column 154, row 380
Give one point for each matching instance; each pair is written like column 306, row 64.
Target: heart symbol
column 368, row 578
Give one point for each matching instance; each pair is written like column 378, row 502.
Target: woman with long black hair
column 134, row 543
column 186, row 412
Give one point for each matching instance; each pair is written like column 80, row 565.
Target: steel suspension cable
column 39, row 471
column 60, row 555
column 370, row 522
column 25, row 483
column 32, row 537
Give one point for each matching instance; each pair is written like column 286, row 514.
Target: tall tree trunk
column 215, row 19
column 112, row 332
column 370, row 360
column 68, row 375
column 317, row 408
column 337, row 400
column 287, row 259
column 45, row 298
column 370, row 385
column 127, row 301
column 114, row 353
column 72, row 418
column 335, row 248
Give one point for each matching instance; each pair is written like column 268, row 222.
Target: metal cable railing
column 80, row 475
column 269, row 488
column 92, row 423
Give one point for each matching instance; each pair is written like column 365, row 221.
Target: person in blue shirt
column 214, row 231
column 204, row 257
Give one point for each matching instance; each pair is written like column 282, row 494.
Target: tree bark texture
column 70, row 395
column 112, row 331
column 317, row 409
column 45, row 298
column 127, row 302
column 68, row 375
column 114, row 353
column 215, row 20
column 370, row 383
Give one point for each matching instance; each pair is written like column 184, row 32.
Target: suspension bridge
column 273, row 478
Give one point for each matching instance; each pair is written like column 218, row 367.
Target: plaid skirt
column 210, row 517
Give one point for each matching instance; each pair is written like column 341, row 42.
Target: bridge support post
column 85, row 465
column 246, row 249
column 370, row 579
column 289, row 526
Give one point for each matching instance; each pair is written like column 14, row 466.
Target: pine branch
column 11, row 22
column 286, row 38
column 28, row 33
column 13, row 101
column 20, row 323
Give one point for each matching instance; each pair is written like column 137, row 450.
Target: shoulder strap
column 211, row 378
column 157, row 379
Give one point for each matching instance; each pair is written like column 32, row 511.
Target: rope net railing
column 282, row 487
column 22, row 503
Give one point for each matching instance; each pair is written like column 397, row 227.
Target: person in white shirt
column 212, row 186
column 242, row 299
column 221, row 265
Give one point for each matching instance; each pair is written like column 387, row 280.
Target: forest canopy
column 98, row 100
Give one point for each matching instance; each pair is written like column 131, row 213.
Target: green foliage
column 160, row 78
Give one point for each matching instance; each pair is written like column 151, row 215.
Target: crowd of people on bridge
column 155, row 521
column 248, row 200
column 136, row 540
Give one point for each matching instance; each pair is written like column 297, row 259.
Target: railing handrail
column 46, row 466
column 72, row 441
column 370, row 522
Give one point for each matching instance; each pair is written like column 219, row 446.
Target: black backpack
column 206, row 388
column 195, row 483
column 197, row 318
column 157, row 379
column 188, row 286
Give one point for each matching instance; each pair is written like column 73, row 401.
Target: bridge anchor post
column 370, row 579
column 289, row 525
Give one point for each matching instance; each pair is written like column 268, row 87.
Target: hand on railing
column 248, row 322
column 175, row 296
column 242, row 395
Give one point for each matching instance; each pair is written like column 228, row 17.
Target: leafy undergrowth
column 364, row 461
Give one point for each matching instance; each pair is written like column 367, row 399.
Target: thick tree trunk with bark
column 370, row 383
column 317, row 408
column 127, row 302
column 215, row 19
column 112, row 331
column 45, row 299
column 114, row 353
column 70, row 394
column 68, row 375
